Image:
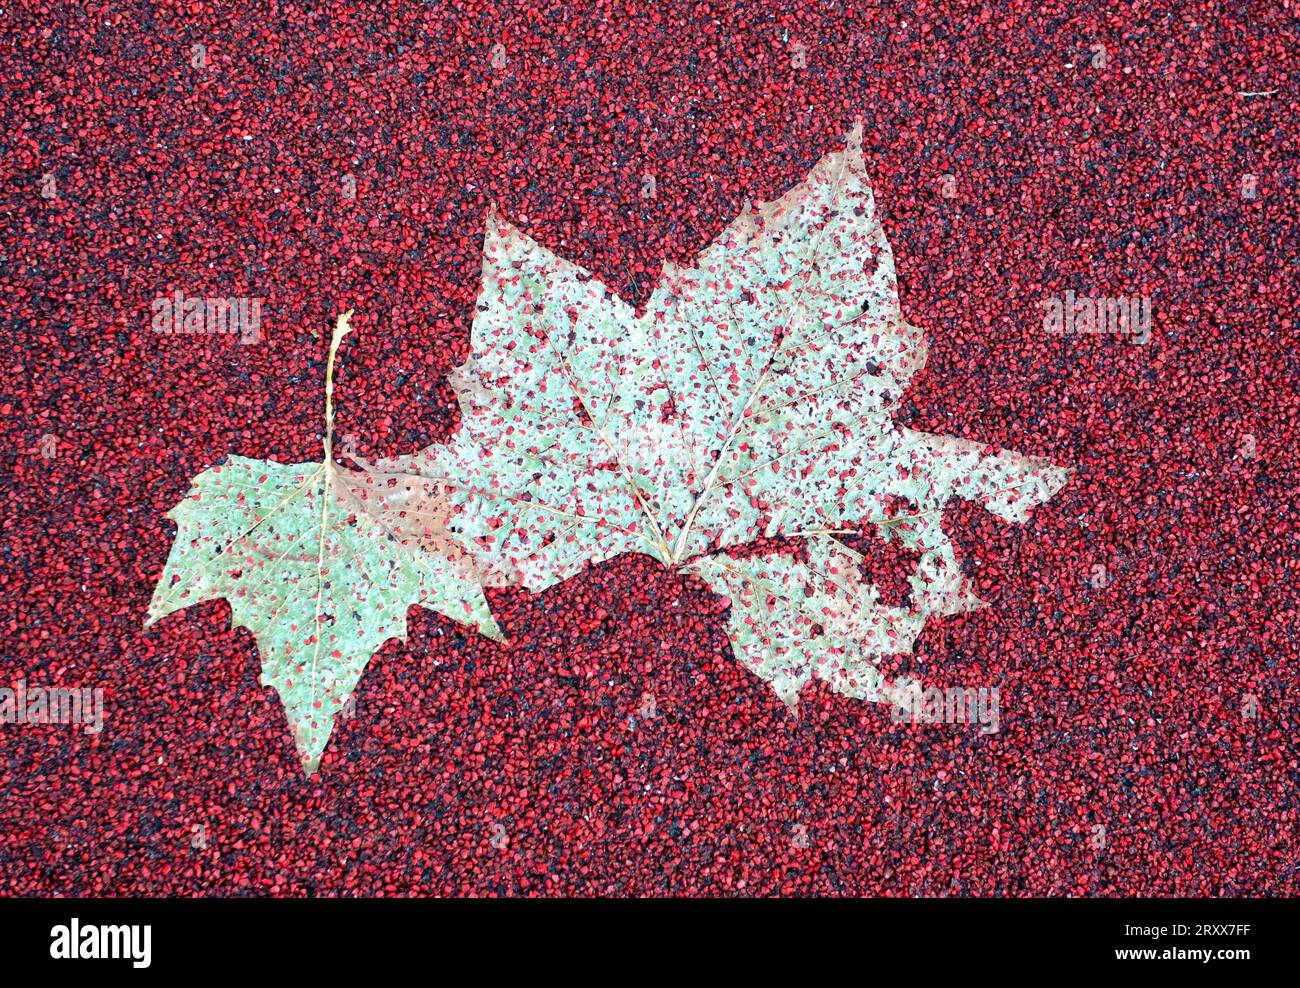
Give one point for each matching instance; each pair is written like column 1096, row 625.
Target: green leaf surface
column 320, row 564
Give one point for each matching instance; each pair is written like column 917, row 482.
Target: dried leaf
column 753, row 398
column 792, row 620
column 321, row 564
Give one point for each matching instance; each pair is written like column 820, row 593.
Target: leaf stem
column 342, row 327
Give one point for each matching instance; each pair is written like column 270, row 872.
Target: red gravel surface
column 1148, row 715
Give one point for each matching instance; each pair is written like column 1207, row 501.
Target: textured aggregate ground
column 471, row 767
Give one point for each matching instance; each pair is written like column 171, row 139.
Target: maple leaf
column 320, row 563
column 753, row 398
